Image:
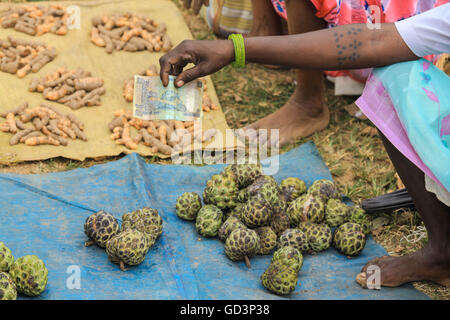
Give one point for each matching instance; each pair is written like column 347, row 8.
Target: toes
column 372, row 262
column 361, row 279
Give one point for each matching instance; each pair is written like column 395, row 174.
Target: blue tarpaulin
column 44, row 215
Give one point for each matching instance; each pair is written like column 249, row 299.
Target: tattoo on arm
column 347, row 48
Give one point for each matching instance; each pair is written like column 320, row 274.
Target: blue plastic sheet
column 44, row 215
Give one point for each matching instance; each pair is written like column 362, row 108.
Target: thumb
column 188, row 75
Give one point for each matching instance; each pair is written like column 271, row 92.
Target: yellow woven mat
column 76, row 50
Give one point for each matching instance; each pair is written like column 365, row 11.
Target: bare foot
column 296, row 119
column 424, row 264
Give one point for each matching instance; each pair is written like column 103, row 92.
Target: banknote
column 153, row 101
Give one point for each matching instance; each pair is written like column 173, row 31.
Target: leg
column 433, row 261
column 266, row 21
column 304, row 113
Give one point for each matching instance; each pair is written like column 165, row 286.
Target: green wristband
column 239, row 50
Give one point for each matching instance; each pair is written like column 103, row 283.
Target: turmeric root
column 10, row 119
column 19, row 135
column 126, row 138
column 35, row 141
column 157, row 144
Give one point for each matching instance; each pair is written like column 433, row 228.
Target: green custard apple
column 128, row 247
column 242, row 244
column 256, row 212
column 336, row 213
column 319, row 236
column 280, row 220
column 289, row 256
column 231, row 224
column 222, row 191
column 326, row 189
column 280, row 278
column 8, row 289
column 245, row 174
column 268, row 240
column 30, row 275
column 209, row 221
column 6, row 258
column 306, row 208
column 265, row 186
column 188, row 205
column 146, row 220
column 235, row 212
column 100, row 227
column 359, row 216
column 294, row 238
column 292, row 188
column 349, row 239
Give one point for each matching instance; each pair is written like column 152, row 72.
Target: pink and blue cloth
column 410, row 103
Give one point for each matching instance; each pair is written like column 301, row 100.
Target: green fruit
column 280, row 278
column 267, row 240
column 242, row 244
column 336, row 213
column 209, row 220
column 146, row 220
column 30, row 275
column 292, row 188
column 8, row 289
column 289, row 256
column 127, row 247
column 349, row 239
column 256, row 212
column 280, row 219
column 231, row 224
column 235, row 212
column 188, row 205
column 222, row 191
column 326, row 189
column 100, row 227
column 266, row 186
column 359, row 216
column 294, row 238
column 245, row 174
column 319, row 236
column 306, row 208
column 6, row 257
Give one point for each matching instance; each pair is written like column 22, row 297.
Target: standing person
column 356, row 46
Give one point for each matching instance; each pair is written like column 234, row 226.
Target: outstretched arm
column 345, row 47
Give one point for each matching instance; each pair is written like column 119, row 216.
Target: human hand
column 196, row 4
column 208, row 56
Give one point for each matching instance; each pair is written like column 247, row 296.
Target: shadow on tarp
column 44, row 215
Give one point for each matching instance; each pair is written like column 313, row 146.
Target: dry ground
column 357, row 161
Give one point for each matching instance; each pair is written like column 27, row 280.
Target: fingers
column 189, row 75
column 187, row 3
column 172, row 64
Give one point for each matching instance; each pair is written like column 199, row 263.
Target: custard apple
column 266, row 186
column 280, row 220
column 146, row 220
column 280, row 278
column 326, row 189
column 6, row 258
column 336, row 213
column 8, row 289
column 127, row 247
column 209, row 220
column 289, row 256
column 294, row 238
column 235, row 212
column 257, row 212
column 359, row 216
column 30, row 275
column 292, row 188
column 242, row 244
column 188, row 205
column 306, row 208
column 319, row 236
column 222, row 191
column 245, row 174
column 100, row 227
column 231, row 224
column 268, row 240
column 349, row 239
